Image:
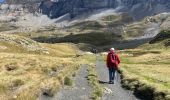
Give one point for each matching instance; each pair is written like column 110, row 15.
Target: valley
column 57, row 49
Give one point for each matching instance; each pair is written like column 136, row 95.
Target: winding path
column 112, row 91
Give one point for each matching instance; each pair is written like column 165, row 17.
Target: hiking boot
column 111, row 82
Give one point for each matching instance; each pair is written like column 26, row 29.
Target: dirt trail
column 112, row 91
column 80, row 91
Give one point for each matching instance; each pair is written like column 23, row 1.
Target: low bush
column 11, row 66
column 68, row 81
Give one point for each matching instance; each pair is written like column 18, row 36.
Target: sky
column 1, row 1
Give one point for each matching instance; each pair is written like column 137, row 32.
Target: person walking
column 113, row 62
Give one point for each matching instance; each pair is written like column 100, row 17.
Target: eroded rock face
column 30, row 5
column 22, row 1
column 73, row 7
column 138, row 8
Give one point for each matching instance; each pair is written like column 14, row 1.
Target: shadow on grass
column 99, row 40
column 126, row 44
column 94, row 38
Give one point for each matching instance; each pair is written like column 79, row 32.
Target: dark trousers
column 112, row 72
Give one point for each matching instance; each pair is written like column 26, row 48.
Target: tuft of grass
column 17, row 83
column 11, row 66
column 94, row 82
column 3, row 88
column 51, row 89
column 97, row 94
column 68, row 81
column 54, row 68
column 74, row 74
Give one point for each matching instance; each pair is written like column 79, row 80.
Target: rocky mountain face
column 137, row 8
column 22, row 1
column 31, row 5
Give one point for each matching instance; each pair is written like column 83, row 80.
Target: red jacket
column 113, row 60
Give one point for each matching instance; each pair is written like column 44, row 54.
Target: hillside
column 29, row 69
column 109, row 30
column 52, row 49
column 145, row 69
column 161, row 41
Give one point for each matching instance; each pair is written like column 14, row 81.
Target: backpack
column 114, row 58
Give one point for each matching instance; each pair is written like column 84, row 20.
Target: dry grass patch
column 26, row 76
column 18, row 44
column 147, row 74
column 62, row 49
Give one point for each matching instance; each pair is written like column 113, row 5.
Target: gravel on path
column 80, row 91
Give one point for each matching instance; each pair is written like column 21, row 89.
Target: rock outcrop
column 137, row 8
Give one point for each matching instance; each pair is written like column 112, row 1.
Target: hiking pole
column 117, row 76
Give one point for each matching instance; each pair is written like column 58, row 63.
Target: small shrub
column 17, row 83
column 60, row 79
column 50, row 89
column 2, row 88
column 54, row 68
column 68, row 81
column 11, row 66
column 45, row 70
column 98, row 93
column 49, row 92
column 74, row 74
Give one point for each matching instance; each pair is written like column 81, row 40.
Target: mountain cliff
column 137, row 8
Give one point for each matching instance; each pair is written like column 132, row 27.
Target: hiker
column 112, row 64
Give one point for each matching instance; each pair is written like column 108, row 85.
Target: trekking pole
column 117, row 76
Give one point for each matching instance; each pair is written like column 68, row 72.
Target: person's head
column 112, row 50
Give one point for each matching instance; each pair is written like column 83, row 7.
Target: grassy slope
column 6, row 27
column 135, row 29
column 146, row 70
column 161, row 41
column 95, row 33
column 26, row 74
column 45, row 60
